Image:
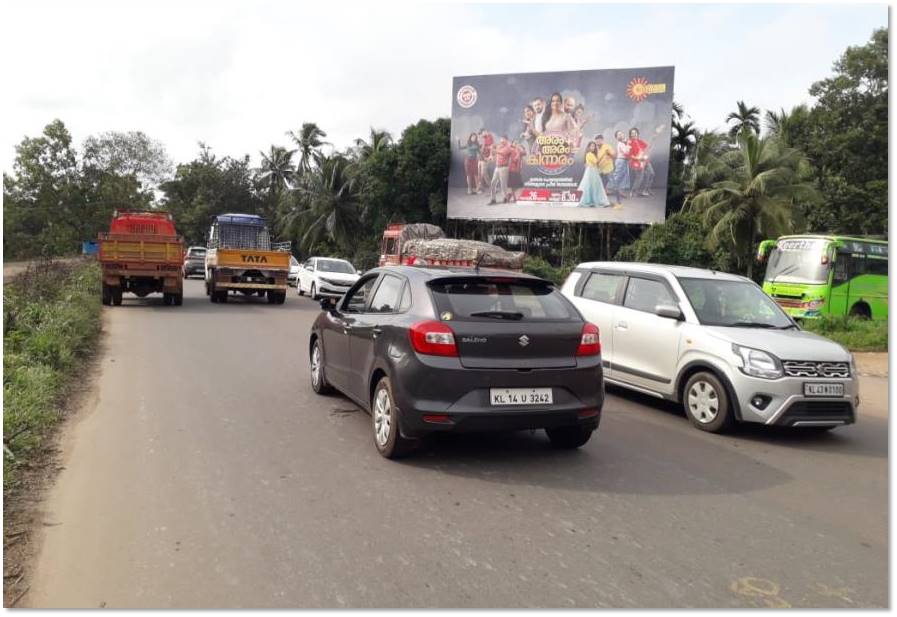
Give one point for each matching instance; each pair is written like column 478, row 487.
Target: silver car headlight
column 758, row 363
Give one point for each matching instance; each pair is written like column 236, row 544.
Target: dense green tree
column 130, row 154
column 423, row 157
column 680, row 240
column 846, row 140
column 43, row 201
column 743, row 118
column 756, row 200
column 209, row 186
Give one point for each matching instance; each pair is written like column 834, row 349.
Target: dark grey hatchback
column 433, row 349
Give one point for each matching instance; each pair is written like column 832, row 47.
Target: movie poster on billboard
column 578, row 146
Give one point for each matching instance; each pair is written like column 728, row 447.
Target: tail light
column 433, row 338
column 589, row 343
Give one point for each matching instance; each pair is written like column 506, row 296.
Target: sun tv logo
column 639, row 89
column 467, row 96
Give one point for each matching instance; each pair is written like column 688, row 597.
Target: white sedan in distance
column 325, row 276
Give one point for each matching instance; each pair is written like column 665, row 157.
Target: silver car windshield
column 798, row 261
column 733, row 303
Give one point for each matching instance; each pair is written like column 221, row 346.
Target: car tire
column 107, row 295
column 178, row 299
column 313, row 293
column 167, row 300
column 385, row 423
column 318, row 376
column 706, row 403
column 569, row 437
column 299, row 288
column 281, row 296
column 116, row 296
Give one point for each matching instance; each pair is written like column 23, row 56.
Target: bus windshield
column 798, row 261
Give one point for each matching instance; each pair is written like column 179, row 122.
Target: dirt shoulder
column 872, row 363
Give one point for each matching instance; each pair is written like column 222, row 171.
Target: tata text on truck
column 814, row 275
column 423, row 244
column 141, row 254
column 242, row 259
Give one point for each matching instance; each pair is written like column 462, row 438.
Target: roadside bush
column 538, row 266
column 51, row 320
column 855, row 334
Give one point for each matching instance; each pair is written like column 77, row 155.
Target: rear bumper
column 249, row 286
column 459, row 397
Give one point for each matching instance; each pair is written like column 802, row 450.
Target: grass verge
column 855, row 334
column 51, row 322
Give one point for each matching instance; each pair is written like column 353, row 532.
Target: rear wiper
column 499, row 315
column 750, row 324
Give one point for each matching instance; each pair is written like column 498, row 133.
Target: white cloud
column 237, row 75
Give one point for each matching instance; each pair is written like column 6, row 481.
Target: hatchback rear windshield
column 197, row 252
column 484, row 299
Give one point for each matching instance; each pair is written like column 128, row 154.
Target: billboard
column 578, row 146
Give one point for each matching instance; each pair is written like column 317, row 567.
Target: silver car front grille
column 796, row 368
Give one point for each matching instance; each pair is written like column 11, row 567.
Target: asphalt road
column 204, row 472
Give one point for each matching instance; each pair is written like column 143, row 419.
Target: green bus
column 814, row 275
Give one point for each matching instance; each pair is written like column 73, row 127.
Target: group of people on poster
column 618, row 168
column 506, row 158
column 612, row 170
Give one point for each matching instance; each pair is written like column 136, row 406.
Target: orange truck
column 426, row 245
column 241, row 258
column 141, row 254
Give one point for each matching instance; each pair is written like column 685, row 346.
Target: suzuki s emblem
column 523, row 340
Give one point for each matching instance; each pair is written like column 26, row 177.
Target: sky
column 238, row 75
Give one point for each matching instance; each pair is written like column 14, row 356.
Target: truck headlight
column 758, row 363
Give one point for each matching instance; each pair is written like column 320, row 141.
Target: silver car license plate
column 823, row 389
column 520, row 396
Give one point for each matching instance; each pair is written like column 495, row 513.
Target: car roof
column 433, row 272
column 661, row 269
column 330, row 258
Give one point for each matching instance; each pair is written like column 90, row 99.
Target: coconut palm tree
column 378, row 141
column 744, row 118
column 785, row 125
column 327, row 204
column 309, row 141
column 684, row 139
column 276, row 171
column 757, row 199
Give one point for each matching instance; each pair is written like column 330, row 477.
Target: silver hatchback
column 714, row 342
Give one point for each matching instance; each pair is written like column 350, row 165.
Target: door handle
column 375, row 332
column 622, row 325
column 346, row 328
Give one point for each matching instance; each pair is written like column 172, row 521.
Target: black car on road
column 427, row 349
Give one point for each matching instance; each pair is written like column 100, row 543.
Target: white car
column 293, row 275
column 325, row 276
column 715, row 343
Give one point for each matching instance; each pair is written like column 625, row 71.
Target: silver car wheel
column 316, row 366
column 703, row 402
column 382, row 416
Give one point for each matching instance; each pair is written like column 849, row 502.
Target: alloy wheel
column 382, row 417
column 316, row 366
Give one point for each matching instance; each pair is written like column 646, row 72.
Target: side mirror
column 669, row 311
column 327, row 304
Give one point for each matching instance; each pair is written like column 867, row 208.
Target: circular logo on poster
column 467, row 96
